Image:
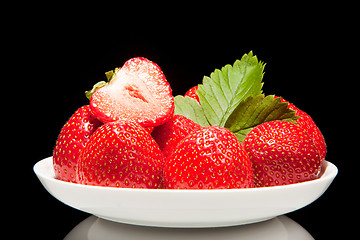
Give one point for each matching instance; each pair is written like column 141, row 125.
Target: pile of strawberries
column 224, row 133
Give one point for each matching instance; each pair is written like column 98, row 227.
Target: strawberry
column 208, row 158
column 138, row 92
column 170, row 133
column 306, row 122
column 281, row 153
column 121, row 154
column 72, row 139
column 192, row 93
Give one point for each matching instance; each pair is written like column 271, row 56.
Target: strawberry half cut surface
column 138, row 91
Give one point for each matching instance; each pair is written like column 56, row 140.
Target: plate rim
column 330, row 172
column 125, row 210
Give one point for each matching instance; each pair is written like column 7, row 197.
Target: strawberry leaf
column 256, row 110
column 222, row 92
column 191, row 109
column 232, row 98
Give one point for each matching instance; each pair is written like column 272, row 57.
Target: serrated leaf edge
column 218, row 117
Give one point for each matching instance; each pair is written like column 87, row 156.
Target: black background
column 55, row 59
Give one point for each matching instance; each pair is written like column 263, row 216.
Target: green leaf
column 256, row 110
column 221, row 93
column 95, row 87
column 232, row 98
column 191, row 109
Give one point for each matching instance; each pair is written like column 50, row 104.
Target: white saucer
column 184, row 208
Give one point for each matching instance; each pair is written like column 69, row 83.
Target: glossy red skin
column 71, row 141
column 281, row 153
column 306, row 122
column 210, row 158
column 192, row 93
column 121, row 154
column 138, row 92
column 172, row 132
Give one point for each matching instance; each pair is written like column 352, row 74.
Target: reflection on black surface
column 279, row 228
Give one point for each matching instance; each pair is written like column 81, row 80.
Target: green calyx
column 95, row 87
column 109, row 75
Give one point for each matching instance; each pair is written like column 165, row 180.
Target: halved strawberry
column 71, row 141
column 138, row 91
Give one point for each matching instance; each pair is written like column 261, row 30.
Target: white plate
column 184, row 208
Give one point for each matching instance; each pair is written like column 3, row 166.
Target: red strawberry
column 72, row 139
column 306, row 122
column 281, row 153
column 209, row 158
column 192, row 93
column 170, row 133
column 138, row 92
column 149, row 129
column 121, row 154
